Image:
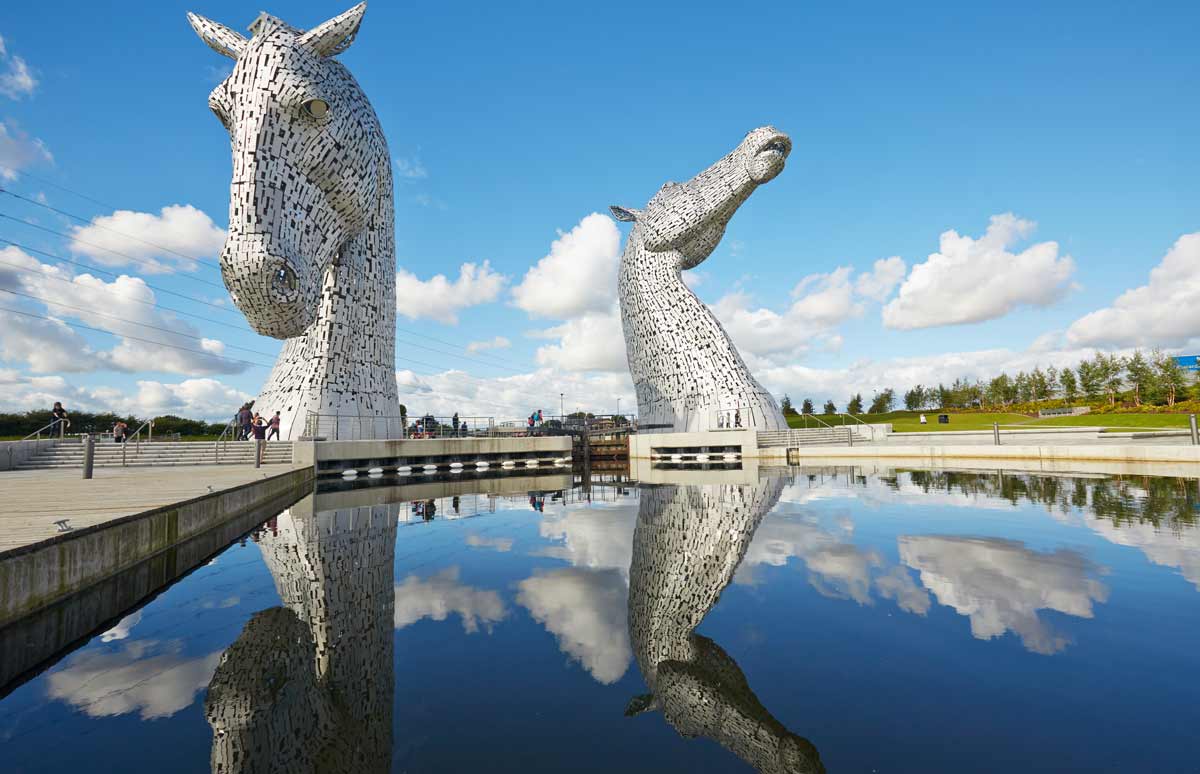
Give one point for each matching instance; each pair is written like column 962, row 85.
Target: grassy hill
column 909, row 421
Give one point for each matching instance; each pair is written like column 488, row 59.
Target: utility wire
column 51, row 302
column 133, row 338
column 142, row 261
column 111, row 273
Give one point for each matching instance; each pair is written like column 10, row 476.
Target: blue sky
column 513, row 122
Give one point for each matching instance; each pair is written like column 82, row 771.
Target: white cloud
column 511, row 397
column 16, row 79
column 502, row 545
column 499, row 342
column 18, row 151
column 593, row 341
column 442, row 595
column 1001, row 585
column 822, row 302
column 123, row 628
column 586, row 611
column 410, row 168
column 1163, row 312
column 593, row 538
column 883, row 278
column 440, row 299
column 197, row 398
column 409, row 381
column 123, row 307
column 156, row 243
column 969, row 280
column 151, row 678
column 579, row 274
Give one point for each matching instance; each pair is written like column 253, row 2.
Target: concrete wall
column 640, row 444
column 939, row 455
column 13, row 453
column 32, row 577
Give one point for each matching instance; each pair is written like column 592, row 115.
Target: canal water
column 801, row 620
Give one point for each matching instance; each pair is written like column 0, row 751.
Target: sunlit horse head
column 684, row 222
column 309, row 162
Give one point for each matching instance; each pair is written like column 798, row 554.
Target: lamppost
column 562, row 412
column 618, row 407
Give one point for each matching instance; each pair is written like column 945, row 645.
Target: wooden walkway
column 32, row 500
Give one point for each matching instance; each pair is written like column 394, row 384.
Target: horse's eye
column 317, row 108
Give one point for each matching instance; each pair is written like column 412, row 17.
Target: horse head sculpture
column 687, row 373
column 310, row 255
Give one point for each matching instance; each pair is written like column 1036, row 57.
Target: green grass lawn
column 909, row 421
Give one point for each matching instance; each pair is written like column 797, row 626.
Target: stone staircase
column 814, row 436
column 69, row 454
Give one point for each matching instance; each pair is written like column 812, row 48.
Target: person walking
column 737, row 418
column 274, row 427
column 119, row 430
column 245, row 419
column 454, row 422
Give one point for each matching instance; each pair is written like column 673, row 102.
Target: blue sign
column 1188, row 362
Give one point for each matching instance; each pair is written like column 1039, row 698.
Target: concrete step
column 145, row 464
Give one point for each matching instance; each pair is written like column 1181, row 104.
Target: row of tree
column 1141, row 378
column 23, row 424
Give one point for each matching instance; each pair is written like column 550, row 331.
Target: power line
column 90, row 222
column 142, row 261
column 60, row 187
column 51, row 302
column 111, row 273
column 133, row 338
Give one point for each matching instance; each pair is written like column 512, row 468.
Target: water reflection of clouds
column 441, row 595
column 1165, row 547
column 154, row 679
column 123, row 628
column 1000, row 585
column 585, row 609
column 500, row 544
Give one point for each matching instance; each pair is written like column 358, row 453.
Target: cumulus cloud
column 441, row 299
column 883, row 278
column 16, row 79
column 579, row 275
column 592, row 538
column 509, row 397
column 199, row 398
column 156, row 243
column 1163, row 312
column 154, row 679
column 499, row 342
column 821, row 303
column 441, row 595
column 971, row 280
column 150, row 339
column 586, row 612
column 503, row 545
column 410, row 168
column 594, row 341
column 123, row 628
column 19, row 151
column 1000, row 585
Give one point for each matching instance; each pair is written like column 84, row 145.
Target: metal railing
column 62, row 424
column 816, row 419
column 345, row 427
column 222, row 442
column 137, row 440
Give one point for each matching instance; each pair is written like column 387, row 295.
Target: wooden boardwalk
column 32, row 500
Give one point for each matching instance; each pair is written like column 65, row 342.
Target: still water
column 801, row 620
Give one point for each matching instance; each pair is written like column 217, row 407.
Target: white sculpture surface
column 310, row 255
column 687, row 373
column 687, row 545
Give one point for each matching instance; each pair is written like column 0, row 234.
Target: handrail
column 856, row 419
column 815, row 419
column 137, row 440
column 65, row 424
column 222, row 442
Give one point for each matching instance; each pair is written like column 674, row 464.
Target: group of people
column 535, row 420
column 252, row 425
column 429, row 427
column 729, row 422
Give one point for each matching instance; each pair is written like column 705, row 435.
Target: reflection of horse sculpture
column 310, row 255
column 308, row 687
column 687, row 373
column 688, row 542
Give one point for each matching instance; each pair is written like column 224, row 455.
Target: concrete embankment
column 45, row 570
column 335, row 457
column 940, row 455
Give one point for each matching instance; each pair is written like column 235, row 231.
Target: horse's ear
column 218, row 37
column 625, row 214
column 336, row 35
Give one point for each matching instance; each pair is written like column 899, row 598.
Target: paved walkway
column 32, row 500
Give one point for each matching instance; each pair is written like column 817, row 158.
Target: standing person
column 259, row 428
column 60, row 419
column 274, row 425
column 530, row 422
column 119, row 431
column 454, row 421
column 245, row 420
column 539, row 417
column 923, row 420
column 737, row 418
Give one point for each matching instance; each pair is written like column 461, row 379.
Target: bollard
column 89, row 454
column 258, row 452
column 1195, row 432
column 996, row 432
column 849, row 437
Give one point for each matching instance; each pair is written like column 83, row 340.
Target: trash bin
column 943, row 419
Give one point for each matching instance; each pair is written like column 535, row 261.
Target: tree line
column 1140, row 379
column 22, row 424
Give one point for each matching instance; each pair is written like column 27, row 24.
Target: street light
column 562, row 413
column 618, row 407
